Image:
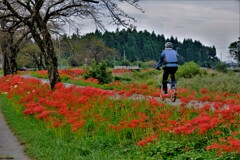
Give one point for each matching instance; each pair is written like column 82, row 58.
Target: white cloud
column 213, row 22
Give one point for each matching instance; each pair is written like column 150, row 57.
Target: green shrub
column 145, row 75
column 221, row 67
column 65, row 78
column 188, row 70
column 119, row 78
column 99, row 71
column 148, row 64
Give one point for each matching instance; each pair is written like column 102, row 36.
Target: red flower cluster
column 228, row 145
column 147, row 140
column 117, row 71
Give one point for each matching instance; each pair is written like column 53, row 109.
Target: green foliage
column 145, row 75
column 99, row 71
column 148, row 64
column 125, row 62
column 65, row 78
column 234, row 49
column 188, row 70
column 78, row 51
column 29, row 55
column 213, row 81
column 221, row 67
column 175, row 150
column 122, row 78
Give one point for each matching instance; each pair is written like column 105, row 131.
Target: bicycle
column 172, row 91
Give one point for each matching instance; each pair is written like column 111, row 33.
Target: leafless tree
column 39, row 14
column 14, row 37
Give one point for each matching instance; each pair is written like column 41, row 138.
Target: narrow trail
column 134, row 96
column 10, row 147
column 137, row 96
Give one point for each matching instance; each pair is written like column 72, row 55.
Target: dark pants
column 166, row 72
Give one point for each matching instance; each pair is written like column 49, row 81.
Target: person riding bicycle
column 169, row 62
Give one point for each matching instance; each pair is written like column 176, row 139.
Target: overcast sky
column 212, row 22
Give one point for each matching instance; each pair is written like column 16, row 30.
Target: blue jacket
column 168, row 58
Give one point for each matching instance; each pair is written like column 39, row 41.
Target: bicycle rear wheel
column 162, row 95
column 173, row 95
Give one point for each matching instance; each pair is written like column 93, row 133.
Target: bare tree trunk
column 41, row 65
column 50, row 59
column 4, row 47
column 13, row 54
column 9, row 53
column 6, row 65
column 38, row 59
column 46, row 46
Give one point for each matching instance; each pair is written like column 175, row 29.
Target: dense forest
column 144, row 46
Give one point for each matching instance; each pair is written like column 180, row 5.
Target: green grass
column 213, row 81
column 44, row 143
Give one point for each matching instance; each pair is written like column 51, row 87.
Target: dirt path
column 9, row 145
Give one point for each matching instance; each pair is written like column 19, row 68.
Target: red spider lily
column 229, row 146
column 204, row 90
column 235, row 133
column 215, row 145
column 155, row 102
column 83, row 99
column 183, row 104
column 117, row 71
column 235, row 144
column 58, row 123
column 34, row 110
column 72, row 72
column 203, row 123
column 43, row 115
column 186, row 129
column 42, row 72
column 185, row 100
column 93, row 80
column 67, row 72
column 217, row 133
column 77, row 125
column 147, row 140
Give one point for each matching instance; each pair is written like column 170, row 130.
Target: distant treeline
column 145, row 46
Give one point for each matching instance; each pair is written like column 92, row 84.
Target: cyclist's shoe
column 165, row 92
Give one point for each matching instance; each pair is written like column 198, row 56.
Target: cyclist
column 169, row 62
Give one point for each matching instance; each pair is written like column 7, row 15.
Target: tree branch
column 92, row 1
